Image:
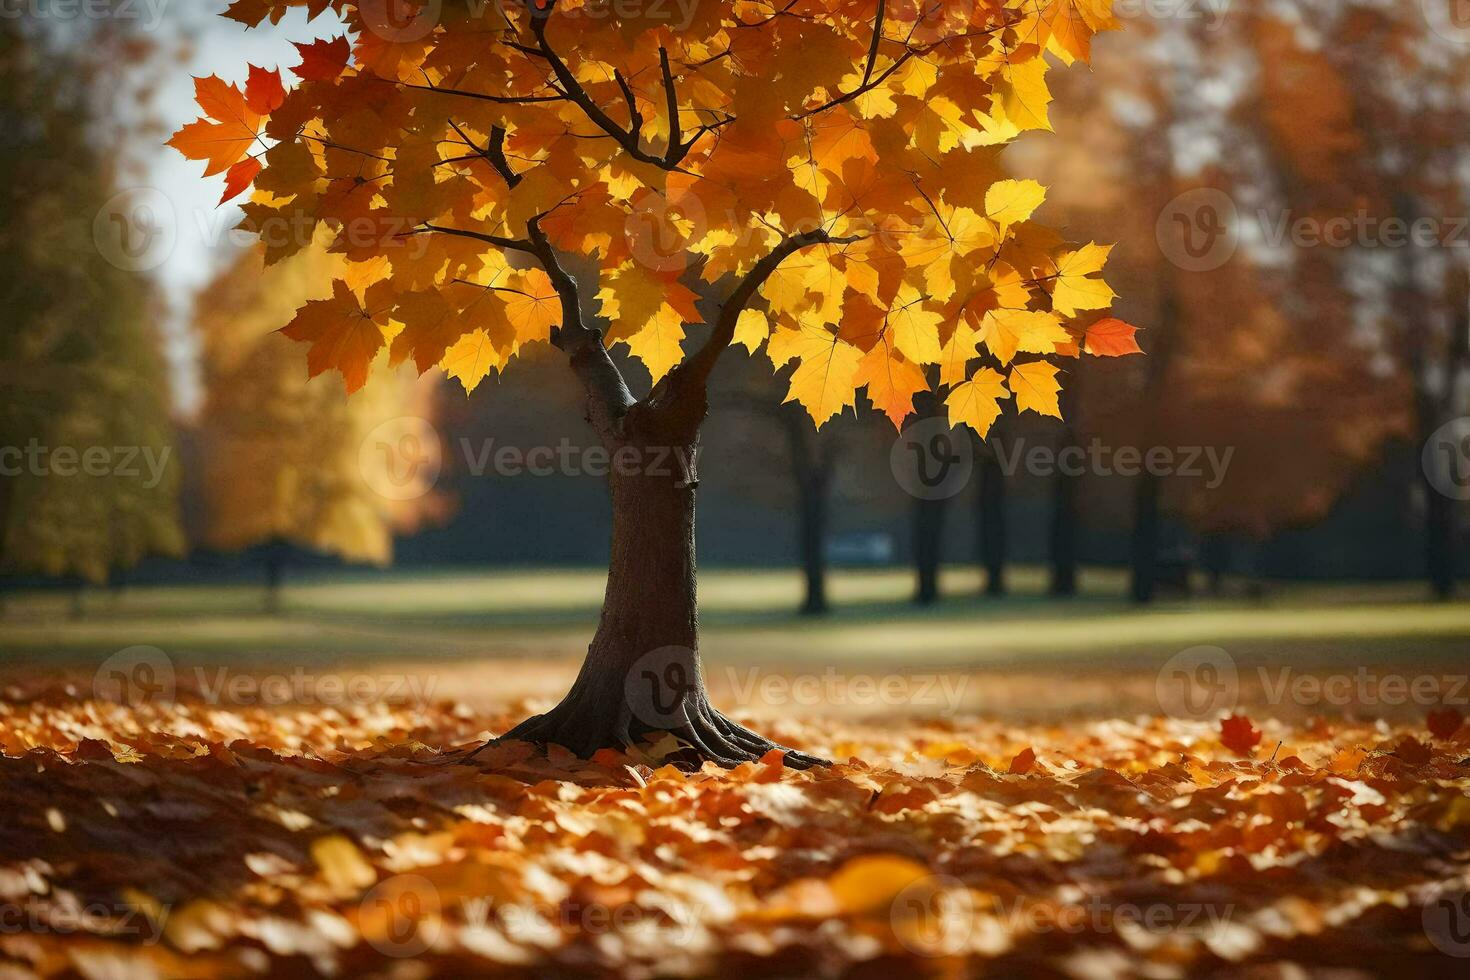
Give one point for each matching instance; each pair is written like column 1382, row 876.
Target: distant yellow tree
column 287, row 460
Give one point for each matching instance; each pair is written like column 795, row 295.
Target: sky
column 203, row 239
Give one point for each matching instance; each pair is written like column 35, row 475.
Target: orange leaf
column 225, row 140
column 342, row 335
column 1111, row 337
column 239, row 178
column 264, row 92
column 323, row 61
column 1024, row 762
column 1238, row 734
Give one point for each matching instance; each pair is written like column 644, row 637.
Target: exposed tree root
column 587, row 721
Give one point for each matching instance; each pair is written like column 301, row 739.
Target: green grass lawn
column 748, row 617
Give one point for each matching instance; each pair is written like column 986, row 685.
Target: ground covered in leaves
column 185, row 840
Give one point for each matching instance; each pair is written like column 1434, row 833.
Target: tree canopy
column 499, row 174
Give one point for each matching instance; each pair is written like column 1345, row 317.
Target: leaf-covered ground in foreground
column 189, row 841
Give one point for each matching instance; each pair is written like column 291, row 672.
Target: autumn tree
column 89, row 485
column 286, row 461
column 830, row 167
column 1381, row 152
column 1251, row 343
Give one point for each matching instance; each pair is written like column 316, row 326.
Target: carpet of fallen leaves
column 186, row 840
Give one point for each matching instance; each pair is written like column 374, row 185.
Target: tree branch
column 697, row 367
column 608, row 397
column 580, row 96
column 499, row 241
column 675, row 151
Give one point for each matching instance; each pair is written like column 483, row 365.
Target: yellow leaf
column 957, row 353
column 1037, row 388
column 1074, row 291
column 1025, row 96
column 871, row 882
column 1010, row 202
column 976, row 403
column 342, row 865
column 823, row 380
column 752, row 329
column 891, row 382
column 1006, row 332
column 914, row 330
column 470, row 359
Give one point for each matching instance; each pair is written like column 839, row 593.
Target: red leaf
column 323, row 61
column 1238, row 734
column 240, row 177
column 264, row 92
column 1413, row 751
column 1024, row 762
column 1111, row 337
column 1445, row 722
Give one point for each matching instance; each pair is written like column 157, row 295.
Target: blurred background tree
column 80, row 356
column 287, row 462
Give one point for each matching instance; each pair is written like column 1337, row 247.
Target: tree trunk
column 642, row 675
column 992, row 524
column 1064, row 501
column 1439, row 514
column 812, row 469
column 813, row 553
column 928, row 549
column 1146, row 538
column 275, row 574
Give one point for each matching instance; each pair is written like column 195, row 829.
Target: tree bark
column 1063, row 543
column 275, row 574
column 812, row 470
column 642, row 676
column 991, row 526
column 1145, row 547
column 928, row 549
